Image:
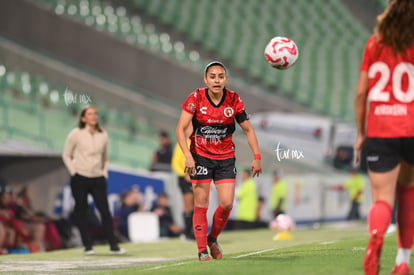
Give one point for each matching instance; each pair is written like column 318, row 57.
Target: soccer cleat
column 215, row 250
column 118, row 251
column 372, row 255
column 203, row 256
column 402, row 268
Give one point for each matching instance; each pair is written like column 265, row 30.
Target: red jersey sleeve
column 190, row 103
column 239, row 105
column 367, row 56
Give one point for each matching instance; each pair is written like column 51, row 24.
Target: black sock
column 211, row 239
column 188, row 223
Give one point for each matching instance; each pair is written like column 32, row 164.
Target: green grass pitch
column 331, row 249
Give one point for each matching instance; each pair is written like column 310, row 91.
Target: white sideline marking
column 327, row 242
column 163, row 266
column 70, row 266
column 254, row 253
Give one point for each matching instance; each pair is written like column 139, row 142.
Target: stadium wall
column 34, row 25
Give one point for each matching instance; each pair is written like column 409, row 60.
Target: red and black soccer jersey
column 391, row 91
column 214, row 125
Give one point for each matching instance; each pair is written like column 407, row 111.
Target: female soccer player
column 386, row 82
column 86, row 157
column 213, row 111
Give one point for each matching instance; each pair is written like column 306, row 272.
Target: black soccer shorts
column 185, row 187
column 220, row 171
column 384, row 154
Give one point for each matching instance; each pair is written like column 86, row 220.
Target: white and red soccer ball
column 281, row 53
column 282, row 223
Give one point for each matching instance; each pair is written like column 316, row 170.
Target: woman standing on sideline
column 212, row 111
column 386, row 130
column 86, row 157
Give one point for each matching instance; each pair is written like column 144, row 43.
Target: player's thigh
column 383, row 161
column 224, row 179
column 201, row 193
column 225, row 192
column 383, row 185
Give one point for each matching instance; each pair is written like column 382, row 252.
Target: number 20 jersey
column 214, row 125
column 391, row 91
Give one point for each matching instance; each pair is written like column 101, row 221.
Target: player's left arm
column 105, row 158
column 254, row 146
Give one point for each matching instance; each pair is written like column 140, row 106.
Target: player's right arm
column 183, row 123
column 67, row 155
column 360, row 111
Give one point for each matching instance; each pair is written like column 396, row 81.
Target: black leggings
column 82, row 186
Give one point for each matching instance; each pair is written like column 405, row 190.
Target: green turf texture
column 326, row 250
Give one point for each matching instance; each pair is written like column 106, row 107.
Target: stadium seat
column 315, row 28
column 36, row 112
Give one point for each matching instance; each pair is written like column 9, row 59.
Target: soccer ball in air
column 281, row 53
column 283, row 223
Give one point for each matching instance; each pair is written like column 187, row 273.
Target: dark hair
column 214, row 63
column 396, row 24
column 82, row 124
column 164, row 134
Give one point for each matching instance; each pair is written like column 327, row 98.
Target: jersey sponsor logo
column 213, row 132
column 191, row 107
column 228, row 112
column 203, row 110
column 215, row 120
column 372, row 158
column 210, row 135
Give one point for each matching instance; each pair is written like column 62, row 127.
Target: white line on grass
column 254, row 253
column 327, row 242
column 163, row 266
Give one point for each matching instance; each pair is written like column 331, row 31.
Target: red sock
column 379, row 217
column 405, row 216
column 219, row 221
column 200, row 226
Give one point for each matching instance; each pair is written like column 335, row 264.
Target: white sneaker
column 89, row 252
column 120, row 251
column 391, row 228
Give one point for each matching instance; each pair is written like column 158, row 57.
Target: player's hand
column 358, row 147
column 189, row 166
column 256, row 167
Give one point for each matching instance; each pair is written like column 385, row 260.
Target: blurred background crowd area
column 137, row 60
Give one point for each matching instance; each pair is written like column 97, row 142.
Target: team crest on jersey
column 191, row 107
column 228, row 112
